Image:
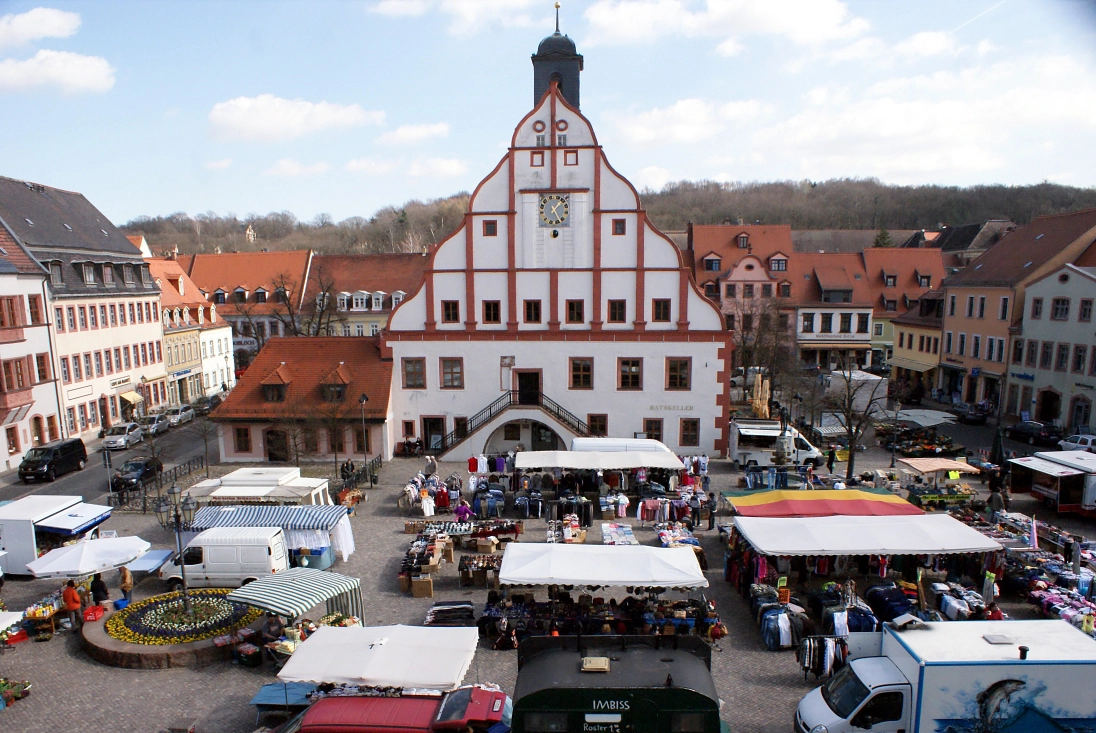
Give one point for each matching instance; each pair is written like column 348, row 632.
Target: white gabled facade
column 558, row 297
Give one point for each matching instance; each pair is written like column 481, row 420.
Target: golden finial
column 557, row 17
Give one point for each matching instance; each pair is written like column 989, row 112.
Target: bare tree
column 206, row 431
column 855, row 401
column 316, row 316
column 332, row 413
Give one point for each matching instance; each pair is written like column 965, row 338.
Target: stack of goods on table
column 675, row 534
column 529, row 504
column 338, row 619
column 451, row 613
column 958, row 603
column 12, row 690
column 617, row 534
column 784, row 623
column 924, row 495
column 343, row 689
column 888, row 601
column 567, row 530
column 1053, row 587
column 841, row 611
column 930, row 447
column 424, row 556
column 468, row 563
column 241, row 636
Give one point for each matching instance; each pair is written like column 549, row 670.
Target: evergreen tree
column 883, row 238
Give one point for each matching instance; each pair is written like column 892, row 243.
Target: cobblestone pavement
column 71, row 692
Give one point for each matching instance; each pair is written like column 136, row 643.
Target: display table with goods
column 11, row 629
column 451, row 613
column 566, row 531
column 617, row 534
column 475, row 529
column 43, row 616
column 423, row 558
column 476, row 569
column 921, row 495
column 675, row 534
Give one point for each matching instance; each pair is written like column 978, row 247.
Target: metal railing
column 512, row 398
column 142, row 498
column 366, row 475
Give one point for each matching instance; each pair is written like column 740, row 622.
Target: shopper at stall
column 694, row 510
column 71, row 599
column 99, row 591
column 125, row 583
column 995, row 503
column 993, row 613
column 713, row 507
column 463, row 511
column 831, row 459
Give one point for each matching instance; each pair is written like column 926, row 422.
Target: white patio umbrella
column 88, row 557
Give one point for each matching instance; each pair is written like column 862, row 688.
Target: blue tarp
column 286, row 517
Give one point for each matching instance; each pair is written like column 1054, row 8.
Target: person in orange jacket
column 71, row 599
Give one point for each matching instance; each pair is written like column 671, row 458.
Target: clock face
column 554, row 208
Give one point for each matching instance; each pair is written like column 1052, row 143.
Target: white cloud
column 731, row 47
column 865, row 48
column 70, row 72
column 287, row 167
column 267, row 118
column 653, row 177
column 986, row 46
column 408, row 134
column 806, row 22
column 400, row 8
column 928, row 43
column 34, row 25
column 685, row 121
column 218, row 165
column 372, row 167
column 437, row 167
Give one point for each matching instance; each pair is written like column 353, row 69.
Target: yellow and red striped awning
column 821, row 503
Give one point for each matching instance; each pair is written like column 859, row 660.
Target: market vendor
column 99, row 591
column 273, row 630
column 71, row 598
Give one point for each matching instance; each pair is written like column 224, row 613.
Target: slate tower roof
column 557, row 60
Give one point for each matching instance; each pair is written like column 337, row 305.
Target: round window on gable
column 1063, row 278
column 749, row 268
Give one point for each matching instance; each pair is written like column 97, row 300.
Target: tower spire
column 557, row 17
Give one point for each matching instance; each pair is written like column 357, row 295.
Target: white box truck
column 228, row 557
column 756, row 443
column 35, row 524
column 962, row 677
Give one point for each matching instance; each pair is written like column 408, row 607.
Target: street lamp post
column 365, row 438
column 894, row 434
column 175, row 515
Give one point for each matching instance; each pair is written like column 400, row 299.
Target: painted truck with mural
column 615, row 684
column 961, row 677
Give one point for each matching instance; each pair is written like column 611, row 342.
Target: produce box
column 422, row 587
column 249, row 655
column 487, row 545
column 93, row 613
column 405, row 582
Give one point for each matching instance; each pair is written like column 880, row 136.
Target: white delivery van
column 35, row 524
column 962, row 677
column 228, row 557
column 756, row 442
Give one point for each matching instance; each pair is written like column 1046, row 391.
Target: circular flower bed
column 162, row 619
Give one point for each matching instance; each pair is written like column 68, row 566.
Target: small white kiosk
column 262, row 486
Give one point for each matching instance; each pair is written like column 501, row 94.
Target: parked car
column 122, row 436
column 180, row 415
column 155, row 424
column 969, row 414
column 204, row 405
column 49, row 461
column 1035, row 433
column 134, row 472
column 1079, row 442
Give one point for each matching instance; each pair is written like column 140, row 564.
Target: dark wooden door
column 528, row 388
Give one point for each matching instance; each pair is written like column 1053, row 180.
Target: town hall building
column 556, row 309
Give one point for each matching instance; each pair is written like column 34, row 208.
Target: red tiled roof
column 1025, row 249
column 378, row 272
column 250, row 270
column 804, row 282
column 723, row 240
column 833, row 278
column 169, row 273
column 905, row 265
column 135, row 239
column 303, row 365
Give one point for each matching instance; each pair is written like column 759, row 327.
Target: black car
column 134, row 472
column 969, row 414
column 204, row 405
column 1035, row 433
column 47, row 462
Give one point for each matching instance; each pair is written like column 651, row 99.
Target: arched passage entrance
column 1048, row 405
column 277, row 446
column 523, row 434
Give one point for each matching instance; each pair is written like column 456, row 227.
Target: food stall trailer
column 934, row 495
column 1066, row 480
column 36, row 524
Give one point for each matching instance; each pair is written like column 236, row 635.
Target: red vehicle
column 474, row 707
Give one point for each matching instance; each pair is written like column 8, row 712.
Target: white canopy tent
column 9, row 619
column 531, row 563
column 88, row 557
column 597, row 460
column 924, row 418
column 920, row 534
column 386, row 656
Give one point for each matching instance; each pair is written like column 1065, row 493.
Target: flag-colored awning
column 822, row 503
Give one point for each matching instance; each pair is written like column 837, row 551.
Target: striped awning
column 820, row 503
column 286, row 517
column 297, row 590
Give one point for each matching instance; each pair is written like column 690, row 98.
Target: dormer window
column 212, row 314
column 260, row 296
column 55, row 276
column 146, row 276
column 89, row 273
column 201, row 314
column 334, row 392
column 219, row 297
column 397, row 297
column 274, row 392
column 743, row 241
column 778, row 264
column 711, row 290
column 378, row 301
column 127, row 274
column 890, row 279
column 342, row 301
column 321, row 300
column 924, row 281
column 241, row 295
column 890, row 305
column 712, row 264
column 359, row 301
column 280, row 295
column 167, row 316
column 108, row 274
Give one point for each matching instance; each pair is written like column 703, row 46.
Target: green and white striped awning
column 295, row 591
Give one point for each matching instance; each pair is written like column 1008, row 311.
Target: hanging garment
column 841, row 623
column 481, row 464
column 641, row 475
column 500, row 464
column 473, row 464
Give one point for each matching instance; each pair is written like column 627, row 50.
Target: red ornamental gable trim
column 700, row 337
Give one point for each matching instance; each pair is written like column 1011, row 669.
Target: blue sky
column 344, row 107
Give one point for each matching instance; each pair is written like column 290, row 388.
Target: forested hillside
column 835, row 204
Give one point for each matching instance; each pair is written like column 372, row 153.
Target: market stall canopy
column 933, row 465
column 88, row 557
column 530, row 563
column 924, row 418
column 76, row 519
column 149, row 561
column 926, row 534
column 310, row 525
column 9, row 619
column 597, row 460
column 297, row 590
column 1050, row 468
column 385, row 656
column 278, row 485
column 822, row 503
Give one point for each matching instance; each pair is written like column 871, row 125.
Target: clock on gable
column 554, row 209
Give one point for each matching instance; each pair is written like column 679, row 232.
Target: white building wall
column 218, row 362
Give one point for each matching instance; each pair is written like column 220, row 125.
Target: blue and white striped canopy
column 286, row 517
column 295, row 591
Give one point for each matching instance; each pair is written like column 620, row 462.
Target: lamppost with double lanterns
column 894, row 433
column 176, row 514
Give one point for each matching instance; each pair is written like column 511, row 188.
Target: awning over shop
column 76, row 519
column 149, row 561
column 913, row 366
column 597, row 460
column 304, row 526
column 297, row 590
column 865, row 344
column 132, row 397
column 1050, row 468
column 925, row 534
column 385, row 656
column 934, row 465
column 529, row 563
column 822, row 503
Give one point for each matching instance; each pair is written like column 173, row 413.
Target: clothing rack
column 822, row 655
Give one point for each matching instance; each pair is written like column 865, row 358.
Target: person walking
column 996, row 503
column 713, row 507
column 694, row 510
column 71, row 599
column 831, row 458
column 125, row 583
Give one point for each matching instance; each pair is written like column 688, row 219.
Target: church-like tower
column 557, row 60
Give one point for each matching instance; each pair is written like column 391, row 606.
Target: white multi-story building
column 29, row 415
column 1052, row 370
column 557, row 309
column 103, row 306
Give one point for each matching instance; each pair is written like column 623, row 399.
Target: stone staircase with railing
column 508, row 400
